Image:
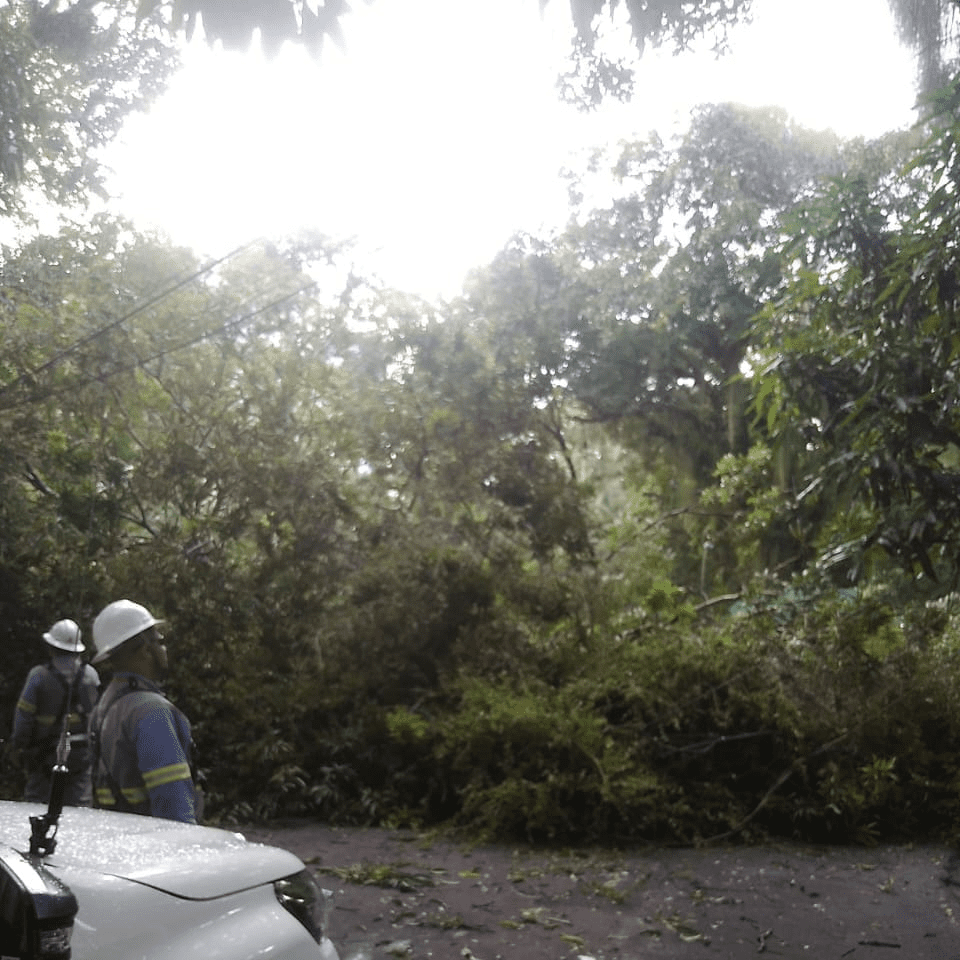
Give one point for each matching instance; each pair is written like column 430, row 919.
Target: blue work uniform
column 38, row 722
column 141, row 746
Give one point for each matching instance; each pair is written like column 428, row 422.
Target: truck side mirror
column 36, row 911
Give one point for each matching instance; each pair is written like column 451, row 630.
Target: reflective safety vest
column 141, row 752
column 39, row 717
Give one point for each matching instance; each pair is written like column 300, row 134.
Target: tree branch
column 713, row 601
column 782, row 779
column 36, row 481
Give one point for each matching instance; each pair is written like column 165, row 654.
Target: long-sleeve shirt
column 39, row 711
column 142, row 746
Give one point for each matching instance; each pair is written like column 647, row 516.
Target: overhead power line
column 142, row 362
column 216, row 331
column 114, row 324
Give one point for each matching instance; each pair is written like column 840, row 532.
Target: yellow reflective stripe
column 164, row 775
column 134, row 795
column 45, row 719
column 27, row 707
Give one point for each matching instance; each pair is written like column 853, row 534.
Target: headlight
column 302, row 897
column 36, row 910
column 54, row 943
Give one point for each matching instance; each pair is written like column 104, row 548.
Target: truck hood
column 192, row 862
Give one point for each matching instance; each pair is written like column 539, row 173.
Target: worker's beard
column 161, row 662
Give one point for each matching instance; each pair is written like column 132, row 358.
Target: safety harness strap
column 110, row 793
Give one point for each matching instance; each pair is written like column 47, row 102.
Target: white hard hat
column 65, row 635
column 116, row 623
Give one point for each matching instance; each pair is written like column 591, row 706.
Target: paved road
column 402, row 896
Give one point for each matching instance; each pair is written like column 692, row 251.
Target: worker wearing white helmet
column 141, row 741
column 60, row 692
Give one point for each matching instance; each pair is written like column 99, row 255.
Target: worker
column 140, row 740
column 62, row 691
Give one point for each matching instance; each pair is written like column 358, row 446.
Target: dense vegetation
column 650, row 533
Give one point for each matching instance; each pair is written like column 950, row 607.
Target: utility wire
column 102, row 331
column 216, row 331
column 159, row 355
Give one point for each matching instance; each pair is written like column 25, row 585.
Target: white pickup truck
column 117, row 886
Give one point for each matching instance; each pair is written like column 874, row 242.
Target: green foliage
column 828, row 719
column 680, row 24
column 930, row 29
column 406, row 727
column 537, row 762
column 524, row 562
column 69, row 75
column 666, row 282
column 865, row 347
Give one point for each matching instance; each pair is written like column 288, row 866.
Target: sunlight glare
column 437, row 133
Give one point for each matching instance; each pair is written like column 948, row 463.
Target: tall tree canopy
column 464, row 554
column 509, row 558
column 929, row 27
column 932, row 29
column 233, row 22
column 70, row 73
column 862, row 354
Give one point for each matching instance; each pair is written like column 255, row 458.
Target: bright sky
column 437, row 134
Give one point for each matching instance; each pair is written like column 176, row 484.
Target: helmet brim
column 106, row 654
column 77, row 647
